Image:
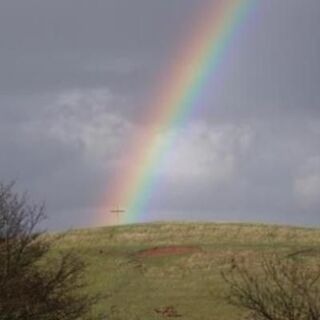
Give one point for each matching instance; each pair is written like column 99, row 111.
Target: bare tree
column 279, row 288
column 34, row 284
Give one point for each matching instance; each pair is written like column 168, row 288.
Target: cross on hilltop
column 117, row 212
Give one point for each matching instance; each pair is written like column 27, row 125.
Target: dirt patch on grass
column 168, row 251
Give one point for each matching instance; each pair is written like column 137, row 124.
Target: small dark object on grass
column 169, row 312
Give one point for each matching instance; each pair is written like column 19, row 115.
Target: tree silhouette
column 35, row 284
column 279, row 288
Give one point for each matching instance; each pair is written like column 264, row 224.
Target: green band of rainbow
column 197, row 61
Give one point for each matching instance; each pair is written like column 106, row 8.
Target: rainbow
column 173, row 103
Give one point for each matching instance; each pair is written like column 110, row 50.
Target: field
column 172, row 270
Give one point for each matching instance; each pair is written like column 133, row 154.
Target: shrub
column 32, row 285
column 280, row 288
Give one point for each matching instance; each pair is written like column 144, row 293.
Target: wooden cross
column 118, row 212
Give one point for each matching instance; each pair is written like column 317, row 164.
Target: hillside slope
column 166, row 270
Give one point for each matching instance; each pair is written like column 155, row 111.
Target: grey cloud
column 77, row 78
column 48, row 45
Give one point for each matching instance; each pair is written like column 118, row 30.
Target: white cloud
column 205, row 152
column 90, row 120
column 307, row 183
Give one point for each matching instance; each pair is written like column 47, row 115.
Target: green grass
column 135, row 286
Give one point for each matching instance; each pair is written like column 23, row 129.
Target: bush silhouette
column 34, row 284
column 279, row 288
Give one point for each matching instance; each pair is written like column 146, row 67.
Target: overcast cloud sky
column 75, row 76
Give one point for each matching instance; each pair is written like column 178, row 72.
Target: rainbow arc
column 197, row 60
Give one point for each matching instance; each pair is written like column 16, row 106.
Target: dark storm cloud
column 77, row 75
column 47, row 45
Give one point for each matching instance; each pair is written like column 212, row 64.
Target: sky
column 77, row 76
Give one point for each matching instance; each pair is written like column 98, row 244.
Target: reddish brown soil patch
column 169, row 312
column 167, row 251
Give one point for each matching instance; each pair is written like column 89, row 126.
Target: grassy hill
column 152, row 271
